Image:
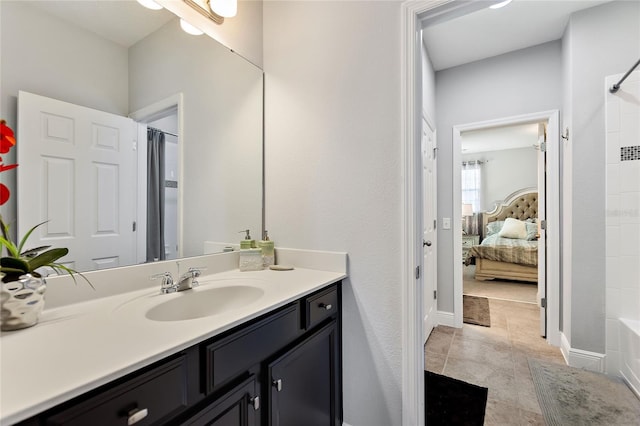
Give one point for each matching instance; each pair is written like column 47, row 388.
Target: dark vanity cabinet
column 283, row 368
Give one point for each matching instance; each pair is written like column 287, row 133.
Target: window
column 471, row 184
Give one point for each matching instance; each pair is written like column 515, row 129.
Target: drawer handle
column 255, row 401
column 325, row 306
column 277, row 384
column 136, row 415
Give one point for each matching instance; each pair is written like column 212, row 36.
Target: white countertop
column 76, row 348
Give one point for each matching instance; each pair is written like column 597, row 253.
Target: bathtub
column 630, row 353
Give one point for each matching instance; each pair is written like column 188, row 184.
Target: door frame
column 411, row 210
column 412, row 13
column 552, row 204
column 144, row 115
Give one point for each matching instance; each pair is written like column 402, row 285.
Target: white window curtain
column 472, row 184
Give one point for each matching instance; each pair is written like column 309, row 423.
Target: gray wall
column 602, row 41
column 428, row 85
column 333, row 174
column 520, row 82
column 505, row 172
column 222, row 137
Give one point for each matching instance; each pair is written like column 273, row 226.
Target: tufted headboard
column 522, row 205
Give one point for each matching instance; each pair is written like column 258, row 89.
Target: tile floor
column 496, row 357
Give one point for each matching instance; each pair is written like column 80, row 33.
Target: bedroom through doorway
column 500, row 175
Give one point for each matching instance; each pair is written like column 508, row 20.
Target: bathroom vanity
column 275, row 361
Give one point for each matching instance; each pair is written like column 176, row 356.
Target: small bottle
column 267, row 246
column 247, row 243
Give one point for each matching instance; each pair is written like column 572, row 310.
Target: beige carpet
column 571, row 396
column 475, row 310
column 498, row 289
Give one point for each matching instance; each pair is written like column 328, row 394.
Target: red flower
column 4, row 194
column 7, row 138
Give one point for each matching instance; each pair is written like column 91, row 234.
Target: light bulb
column 224, row 8
column 150, row 4
column 189, row 29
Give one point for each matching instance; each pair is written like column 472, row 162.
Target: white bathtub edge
column 629, row 332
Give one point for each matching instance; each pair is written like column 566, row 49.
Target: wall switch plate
column 446, row 223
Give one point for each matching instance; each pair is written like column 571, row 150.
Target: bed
column 514, row 259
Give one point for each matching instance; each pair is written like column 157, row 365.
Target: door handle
column 255, row 401
column 426, row 243
column 277, row 384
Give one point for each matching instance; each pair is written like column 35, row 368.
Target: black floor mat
column 453, row 402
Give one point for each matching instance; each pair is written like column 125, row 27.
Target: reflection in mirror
column 205, row 100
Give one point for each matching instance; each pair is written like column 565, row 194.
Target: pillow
column 532, row 230
column 494, row 227
column 513, row 228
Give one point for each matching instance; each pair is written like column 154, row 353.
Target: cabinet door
column 238, row 407
column 305, row 386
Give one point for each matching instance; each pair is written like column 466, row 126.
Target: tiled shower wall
column 623, row 210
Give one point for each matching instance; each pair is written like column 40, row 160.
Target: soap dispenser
column 267, row 246
column 248, row 242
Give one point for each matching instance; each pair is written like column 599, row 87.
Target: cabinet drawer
column 162, row 392
column 235, row 354
column 320, row 306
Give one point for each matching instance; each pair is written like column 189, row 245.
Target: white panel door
column 77, row 172
column 429, row 236
column 542, row 217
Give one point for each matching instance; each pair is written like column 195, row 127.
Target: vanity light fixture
column 501, row 4
column 150, row 4
column 189, row 29
column 216, row 10
column 224, row 8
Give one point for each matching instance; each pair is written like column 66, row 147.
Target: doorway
column 166, row 117
column 413, row 14
column 549, row 242
column 502, row 178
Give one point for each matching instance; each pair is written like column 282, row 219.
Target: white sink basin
column 203, row 302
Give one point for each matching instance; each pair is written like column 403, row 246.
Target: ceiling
column 122, row 21
column 490, row 32
column 499, row 138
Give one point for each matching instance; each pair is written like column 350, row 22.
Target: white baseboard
column 579, row 358
column 445, row 318
column 345, row 424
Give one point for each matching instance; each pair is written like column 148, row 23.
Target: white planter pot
column 21, row 302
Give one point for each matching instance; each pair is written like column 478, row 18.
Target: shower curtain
column 155, row 195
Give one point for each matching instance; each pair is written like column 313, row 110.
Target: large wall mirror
column 120, row 59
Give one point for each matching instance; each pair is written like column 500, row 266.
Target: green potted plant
column 22, row 286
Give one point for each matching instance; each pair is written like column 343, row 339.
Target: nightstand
column 468, row 241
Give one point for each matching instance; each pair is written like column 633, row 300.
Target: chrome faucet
column 188, row 279
column 186, row 282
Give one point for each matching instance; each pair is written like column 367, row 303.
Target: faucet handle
column 166, row 285
column 195, row 272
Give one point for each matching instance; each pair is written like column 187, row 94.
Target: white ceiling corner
column 491, row 32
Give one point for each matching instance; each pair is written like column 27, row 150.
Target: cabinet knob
column 255, row 401
column 325, row 306
column 136, row 415
column 277, row 384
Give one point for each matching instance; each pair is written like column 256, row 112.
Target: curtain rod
column 162, row 131
column 616, row 86
column 472, row 162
